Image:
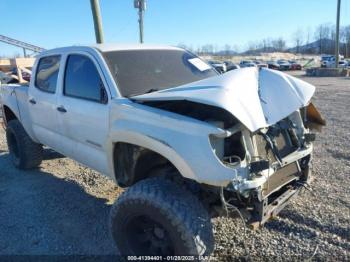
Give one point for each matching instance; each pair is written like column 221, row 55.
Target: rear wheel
column 24, row 152
column 157, row 217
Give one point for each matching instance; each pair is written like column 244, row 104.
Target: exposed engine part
column 272, row 144
column 232, row 160
column 229, row 150
column 258, row 166
column 195, row 110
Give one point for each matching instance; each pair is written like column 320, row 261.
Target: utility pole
column 96, row 14
column 141, row 5
column 337, row 36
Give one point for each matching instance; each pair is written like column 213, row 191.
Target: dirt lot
column 62, row 209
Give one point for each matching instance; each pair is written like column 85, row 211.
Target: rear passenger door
column 42, row 100
column 84, row 112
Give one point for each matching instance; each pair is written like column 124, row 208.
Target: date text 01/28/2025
column 168, row 258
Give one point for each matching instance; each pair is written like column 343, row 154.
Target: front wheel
column 157, row 217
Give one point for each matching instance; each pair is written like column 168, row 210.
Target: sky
column 55, row 23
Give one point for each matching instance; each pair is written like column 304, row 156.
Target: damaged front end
column 266, row 123
column 272, row 164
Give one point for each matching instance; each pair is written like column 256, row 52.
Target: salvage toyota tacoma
column 188, row 143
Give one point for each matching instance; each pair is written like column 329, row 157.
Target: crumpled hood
column 256, row 97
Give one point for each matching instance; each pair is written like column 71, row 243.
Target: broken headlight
column 229, row 150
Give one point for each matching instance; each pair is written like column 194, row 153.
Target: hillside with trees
column 320, row 40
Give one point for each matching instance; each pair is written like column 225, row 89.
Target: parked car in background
column 294, row 65
column 219, row 66
column 273, row 65
column 247, row 63
column 284, row 65
column 347, row 63
column 326, row 60
column 261, row 64
column 342, row 64
column 329, row 62
column 231, row 66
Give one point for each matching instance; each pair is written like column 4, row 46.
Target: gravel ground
column 62, row 209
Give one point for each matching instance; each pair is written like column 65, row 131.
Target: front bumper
column 266, row 195
column 281, row 188
column 269, row 207
column 243, row 186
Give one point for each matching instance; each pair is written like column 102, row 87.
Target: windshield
column 138, row 72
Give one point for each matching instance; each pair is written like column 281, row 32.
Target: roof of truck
column 120, row 47
column 111, row 47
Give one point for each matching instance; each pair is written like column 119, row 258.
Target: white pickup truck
column 188, row 143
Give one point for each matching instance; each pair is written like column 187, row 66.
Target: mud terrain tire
column 24, row 152
column 158, row 217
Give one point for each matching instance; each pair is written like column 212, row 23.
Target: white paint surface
column 258, row 98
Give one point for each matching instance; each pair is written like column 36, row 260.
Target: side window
column 47, row 73
column 82, row 79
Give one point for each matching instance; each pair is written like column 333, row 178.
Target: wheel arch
column 8, row 114
column 133, row 161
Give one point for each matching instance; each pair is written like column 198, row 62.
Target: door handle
column 32, row 101
column 61, row 109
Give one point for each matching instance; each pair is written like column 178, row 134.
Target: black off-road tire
column 24, row 152
column 185, row 223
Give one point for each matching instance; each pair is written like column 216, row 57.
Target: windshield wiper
column 147, row 92
column 152, row 90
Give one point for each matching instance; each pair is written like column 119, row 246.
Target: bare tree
column 235, row 48
column 210, row 49
column 309, row 48
column 207, row 49
column 346, row 39
column 266, row 44
column 322, row 35
column 279, row 44
column 252, row 46
column 332, row 37
column 298, row 38
column 227, row 49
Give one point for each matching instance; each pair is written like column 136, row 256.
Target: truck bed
column 16, row 97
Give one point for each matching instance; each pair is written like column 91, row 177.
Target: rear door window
column 47, row 73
